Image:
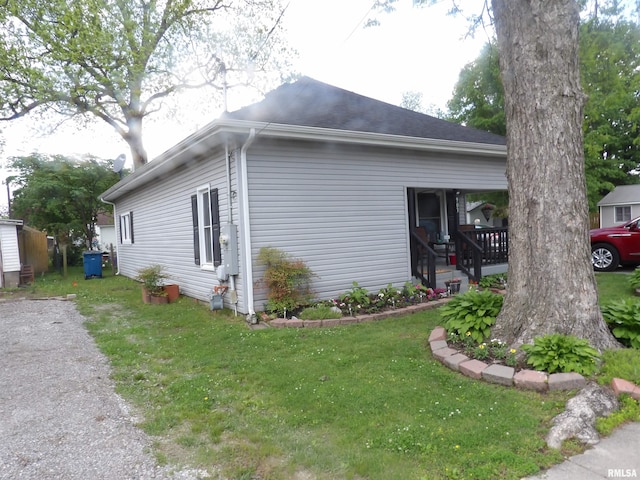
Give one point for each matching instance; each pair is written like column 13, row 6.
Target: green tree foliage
column 117, row 60
column 478, row 97
column 610, row 70
column 60, row 195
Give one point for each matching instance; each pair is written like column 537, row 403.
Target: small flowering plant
column 492, row 351
column 481, row 352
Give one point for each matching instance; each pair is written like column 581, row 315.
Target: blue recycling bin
column 92, row 262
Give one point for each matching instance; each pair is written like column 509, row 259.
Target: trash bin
column 92, row 262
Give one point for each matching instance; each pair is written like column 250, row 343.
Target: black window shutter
column 131, row 226
column 120, row 229
column 215, row 227
column 196, row 234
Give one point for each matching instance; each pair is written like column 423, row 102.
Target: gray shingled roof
column 622, row 195
column 308, row 102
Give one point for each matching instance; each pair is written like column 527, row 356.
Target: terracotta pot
column 158, row 299
column 172, row 291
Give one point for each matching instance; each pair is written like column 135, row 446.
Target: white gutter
column 114, row 226
column 246, row 224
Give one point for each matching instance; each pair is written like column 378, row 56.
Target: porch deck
column 479, row 252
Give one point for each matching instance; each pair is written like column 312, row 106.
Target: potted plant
column 152, row 278
column 453, row 285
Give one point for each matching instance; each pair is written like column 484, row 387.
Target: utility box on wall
column 229, row 248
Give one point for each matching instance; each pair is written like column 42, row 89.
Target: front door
column 430, row 214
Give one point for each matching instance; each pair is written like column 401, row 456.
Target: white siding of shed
column 343, row 210
column 9, row 249
column 162, row 224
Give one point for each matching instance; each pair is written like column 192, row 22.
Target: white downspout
column 246, row 224
column 115, row 217
column 232, row 278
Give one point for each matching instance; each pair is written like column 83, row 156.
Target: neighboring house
column 9, row 253
column 105, row 232
column 331, row 177
column 620, row 206
column 482, row 213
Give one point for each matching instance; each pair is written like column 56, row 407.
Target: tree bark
column 552, row 286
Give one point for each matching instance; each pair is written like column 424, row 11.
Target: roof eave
column 11, row 221
column 220, row 130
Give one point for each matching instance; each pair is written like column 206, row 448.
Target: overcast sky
column 414, row 49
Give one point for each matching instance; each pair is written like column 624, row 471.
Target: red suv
column 613, row 246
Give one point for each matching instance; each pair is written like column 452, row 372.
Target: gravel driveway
column 59, row 415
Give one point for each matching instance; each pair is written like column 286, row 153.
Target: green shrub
column 288, row 280
column 623, row 318
column 319, row 312
column 634, row 278
column 152, row 278
column 474, row 312
column 561, row 353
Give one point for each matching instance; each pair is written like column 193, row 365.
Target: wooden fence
column 33, row 249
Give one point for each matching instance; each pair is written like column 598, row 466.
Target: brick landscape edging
column 372, row 317
column 507, row 376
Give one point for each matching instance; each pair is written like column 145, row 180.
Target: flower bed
column 359, row 302
column 368, row 317
column 499, row 373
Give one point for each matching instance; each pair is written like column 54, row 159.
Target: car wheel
column 604, row 257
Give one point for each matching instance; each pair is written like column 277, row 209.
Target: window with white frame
column 623, row 214
column 206, row 227
column 126, row 228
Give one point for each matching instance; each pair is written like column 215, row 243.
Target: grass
column 364, row 401
column 613, row 287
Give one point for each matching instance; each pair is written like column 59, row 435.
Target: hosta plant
column 623, row 318
column 472, row 314
column 562, row 353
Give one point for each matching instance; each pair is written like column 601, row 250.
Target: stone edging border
column 372, row 317
column 507, row 376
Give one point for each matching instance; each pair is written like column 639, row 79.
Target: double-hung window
column 623, row 214
column 206, row 227
column 126, row 228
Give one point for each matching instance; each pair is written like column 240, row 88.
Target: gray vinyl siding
column 343, row 210
column 608, row 214
column 162, row 224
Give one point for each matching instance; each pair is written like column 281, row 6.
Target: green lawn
column 364, row 401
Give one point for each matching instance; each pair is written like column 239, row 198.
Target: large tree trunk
column 552, row 286
column 134, row 138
